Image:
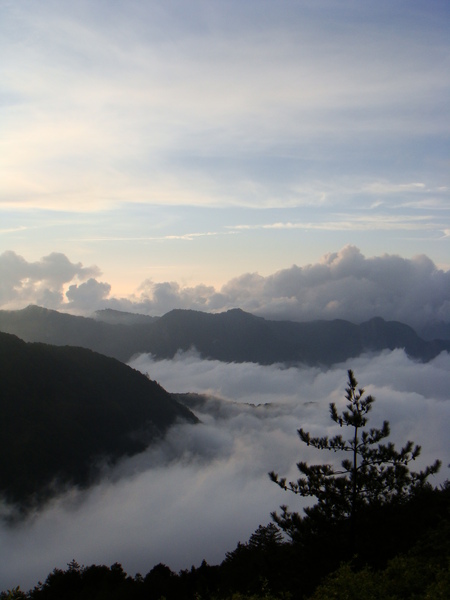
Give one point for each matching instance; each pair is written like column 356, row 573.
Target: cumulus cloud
column 205, row 487
column 166, row 296
column 342, row 285
column 347, row 285
column 88, row 294
column 41, row 282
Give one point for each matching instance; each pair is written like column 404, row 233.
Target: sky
column 206, row 488
column 288, row 158
column 163, row 154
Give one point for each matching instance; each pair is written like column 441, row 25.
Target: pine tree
column 373, row 474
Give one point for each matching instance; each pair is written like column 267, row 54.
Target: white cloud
column 41, row 282
column 206, row 487
column 352, row 222
column 106, row 110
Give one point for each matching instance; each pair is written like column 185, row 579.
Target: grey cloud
column 348, row 285
column 39, row 282
column 162, row 297
column 205, row 487
column 342, row 285
column 87, row 294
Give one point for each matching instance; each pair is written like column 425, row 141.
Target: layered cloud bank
column 206, row 487
column 344, row 284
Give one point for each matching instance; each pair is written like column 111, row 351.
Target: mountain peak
column 231, row 336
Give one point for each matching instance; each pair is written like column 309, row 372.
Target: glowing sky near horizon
column 196, row 141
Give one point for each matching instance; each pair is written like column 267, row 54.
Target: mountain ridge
column 231, row 336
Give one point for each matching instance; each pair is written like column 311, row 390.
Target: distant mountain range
column 232, row 336
column 69, row 403
column 67, row 410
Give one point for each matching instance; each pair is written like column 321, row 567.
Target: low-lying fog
column 205, row 487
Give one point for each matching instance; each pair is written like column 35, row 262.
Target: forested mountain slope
column 64, row 408
column 232, row 336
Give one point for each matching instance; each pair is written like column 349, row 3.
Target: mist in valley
column 205, row 487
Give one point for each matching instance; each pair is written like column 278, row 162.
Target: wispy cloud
column 13, row 230
column 101, row 108
column 183, row 236
column 192, row 236
column 348, row 222
column 384, row 187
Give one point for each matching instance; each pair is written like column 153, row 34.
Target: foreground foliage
column 374, row 473
column 406, row 556
column 404, row 578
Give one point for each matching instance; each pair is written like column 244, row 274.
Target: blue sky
column 194, row 142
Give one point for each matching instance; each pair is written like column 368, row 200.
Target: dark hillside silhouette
column 64, row 408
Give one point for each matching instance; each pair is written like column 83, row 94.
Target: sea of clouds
column 205, row 487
